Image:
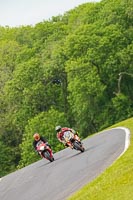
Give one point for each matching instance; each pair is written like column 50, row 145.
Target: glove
column 66, row 145
column 63, row 142
column 49, row 145
column 76, row 133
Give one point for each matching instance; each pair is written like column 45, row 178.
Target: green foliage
column 85, row 92
column 7, row 158
column 80, row 64
column 116, row 182
column 120, row 107
column 44, row 123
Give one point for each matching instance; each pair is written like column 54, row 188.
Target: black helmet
column 58, row 128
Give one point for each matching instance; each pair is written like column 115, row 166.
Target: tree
column 43, row 123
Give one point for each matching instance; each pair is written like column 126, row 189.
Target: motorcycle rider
column 60, row 133
column 37, row 138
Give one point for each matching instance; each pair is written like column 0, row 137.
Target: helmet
column 58, row 128
column 36, row 136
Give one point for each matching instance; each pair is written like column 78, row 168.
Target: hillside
column 74, row 70
column 116, row 182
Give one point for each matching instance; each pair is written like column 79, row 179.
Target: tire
column 78, row 146
column 52, row 159
column 82, row 149
column 47, row 156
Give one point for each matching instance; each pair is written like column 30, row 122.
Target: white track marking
column 127, row 138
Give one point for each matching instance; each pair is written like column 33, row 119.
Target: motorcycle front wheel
column 78, row 146
column 47, row 155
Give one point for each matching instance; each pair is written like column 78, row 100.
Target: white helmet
column 58, row 128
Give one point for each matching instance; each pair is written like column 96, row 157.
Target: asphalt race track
column 70, row 171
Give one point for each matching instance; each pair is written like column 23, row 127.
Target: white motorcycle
column 73, row 140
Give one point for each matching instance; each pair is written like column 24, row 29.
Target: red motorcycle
column 45, row 151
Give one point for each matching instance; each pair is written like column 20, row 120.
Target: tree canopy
column 74, row 70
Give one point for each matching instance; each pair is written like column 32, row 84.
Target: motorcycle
column 73, row 140
column 45, row 151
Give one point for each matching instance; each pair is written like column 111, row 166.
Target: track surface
column 70, row 171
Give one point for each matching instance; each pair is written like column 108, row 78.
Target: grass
column 116, row 182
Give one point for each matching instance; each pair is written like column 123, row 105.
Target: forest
column 73, row 70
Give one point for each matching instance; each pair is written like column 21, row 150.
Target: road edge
column 127, row 139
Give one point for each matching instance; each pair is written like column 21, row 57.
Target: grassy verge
column 116, row 182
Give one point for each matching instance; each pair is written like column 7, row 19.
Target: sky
column 15, row 13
